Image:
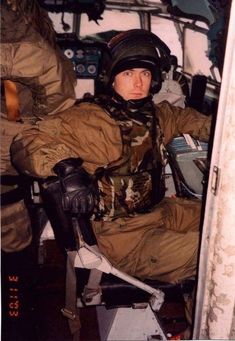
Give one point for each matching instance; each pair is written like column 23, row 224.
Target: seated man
column 121, row 138
column 33, row 73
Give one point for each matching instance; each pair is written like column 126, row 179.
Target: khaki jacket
column 44, row 71
column 146, row 245
column 45, row 82
column 86, row 131
column 35, row 63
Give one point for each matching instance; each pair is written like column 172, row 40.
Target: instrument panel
column 85, row 55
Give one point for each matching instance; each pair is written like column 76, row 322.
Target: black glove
column 78, row 189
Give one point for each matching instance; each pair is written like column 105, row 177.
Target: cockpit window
column 195, row 60
column 189, row 43
column 167, row 31
column 114, row 20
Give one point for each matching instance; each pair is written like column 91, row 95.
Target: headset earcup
column 156, row 82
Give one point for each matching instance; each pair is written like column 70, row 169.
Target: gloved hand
column 78, row 190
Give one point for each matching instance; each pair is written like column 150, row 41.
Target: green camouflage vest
column 126, row 186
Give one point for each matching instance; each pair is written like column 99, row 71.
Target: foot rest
column 117, row 293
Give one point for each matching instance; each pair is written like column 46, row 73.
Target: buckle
column 68, row 313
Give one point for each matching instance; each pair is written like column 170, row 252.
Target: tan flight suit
column 45, row 82
column 15, row 222
column 162, row 244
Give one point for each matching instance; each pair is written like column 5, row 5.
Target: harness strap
column 91, row 290
column 13, row 195
column 70, row 311
column 12, row 101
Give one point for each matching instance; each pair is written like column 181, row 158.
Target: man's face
column 133, row 83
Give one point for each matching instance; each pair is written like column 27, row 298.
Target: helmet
column 136, row 48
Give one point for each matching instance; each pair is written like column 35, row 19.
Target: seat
column 92, row 281
column 123, row 303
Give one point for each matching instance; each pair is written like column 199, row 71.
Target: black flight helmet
column 136, row 48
